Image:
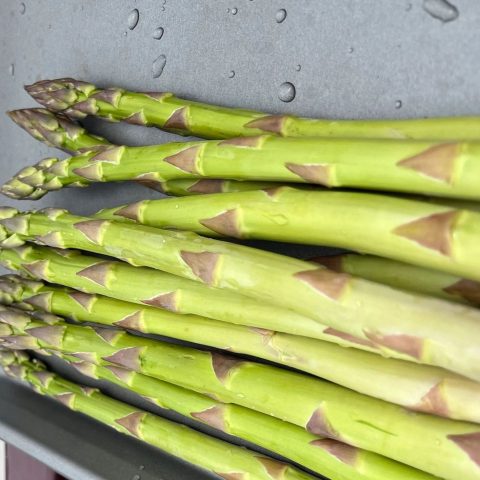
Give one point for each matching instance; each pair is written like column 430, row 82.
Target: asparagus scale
column 164, row 110
column 424, row 330
column 433, row 444
column 213, row 455
column 396, row 381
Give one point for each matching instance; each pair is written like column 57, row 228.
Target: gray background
column 358, row 58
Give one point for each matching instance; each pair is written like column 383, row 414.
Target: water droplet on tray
column 23, row 8
column 125, row 33
column 287, row 92
column 158, row 33
column 11, row 69
column 408, row 7
column 351, row 50
column 441, row 10
column 158, row 66
column 398, row 104
column 133, row 18
column 281, row 15
column 228, row 10
column 231, row 73
column 298, row 67
column 234, row 11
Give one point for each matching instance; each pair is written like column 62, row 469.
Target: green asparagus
column 396, row 381
column 55, row 130
column 78, row 99
column 433, row 444
column 405, row 276
column 413, row 166
column 421, row 233
column 213, row 455
column 416, row 328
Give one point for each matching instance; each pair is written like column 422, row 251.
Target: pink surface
column 21, row 466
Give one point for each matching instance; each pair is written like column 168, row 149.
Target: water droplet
column 281, row 15
column 158, row 33
column 398, row 104
column 441, row 10
column 287, row 92
column 125, row 34
column 23, row 8
column 234, row 11
column 298, row 67
column 133, row 18
column 351, row 50
column 163, row 9
column 231, row 73
column 11, row 69
column 158, row 65
column 228, row 10
column 408, row 7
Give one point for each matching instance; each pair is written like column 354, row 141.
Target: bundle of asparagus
column 317, row 406
column 321, row 455
column 215, row 456
column 424, row 249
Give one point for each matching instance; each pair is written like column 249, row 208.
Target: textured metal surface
column 345, row 58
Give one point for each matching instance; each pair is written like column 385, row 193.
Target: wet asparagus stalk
column 396, row 381
column 420, row 233
column 419, row 329
column 213, row 455
column 433, row 444
column 414, row 166
column 78, row 99
column 405, row 276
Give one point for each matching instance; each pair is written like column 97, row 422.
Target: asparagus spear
column 405, row 276
column 325, row 456
column 414, row 166
column 213, row 455
column 433, row 444
column 395, row 381
column 55, row 130
column 420, row 233
column 78, row 99
column 146, row 286
column 419, row 329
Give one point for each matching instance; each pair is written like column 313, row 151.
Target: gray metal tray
column 345, row 58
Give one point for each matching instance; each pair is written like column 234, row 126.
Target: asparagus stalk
column 395, row 381
column 433, row 444
column 421, row 233
column 146, row 286
column 55, row 130
column 163, row 110
column 211, row 454
column 405, row 276
column 414, row 166
column 420, row 329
